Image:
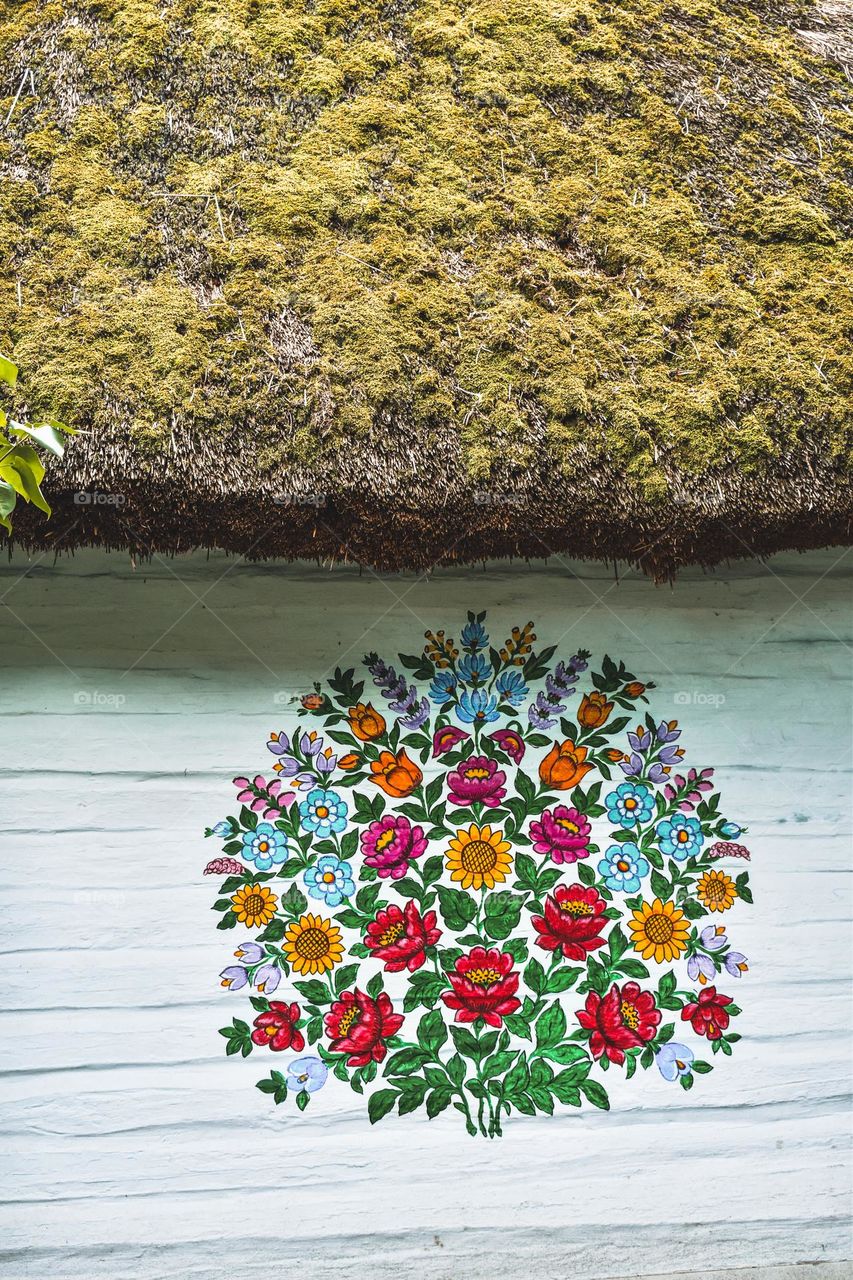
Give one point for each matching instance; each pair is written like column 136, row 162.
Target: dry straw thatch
column 417, row 281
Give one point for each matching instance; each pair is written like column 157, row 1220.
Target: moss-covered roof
column 492, row 278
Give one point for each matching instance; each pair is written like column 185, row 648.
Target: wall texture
column 131, row 698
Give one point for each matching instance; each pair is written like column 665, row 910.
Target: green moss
column 624, row 225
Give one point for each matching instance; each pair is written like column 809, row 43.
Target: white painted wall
column 133, row 1148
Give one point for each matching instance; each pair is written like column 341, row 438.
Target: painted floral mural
column 481, row 880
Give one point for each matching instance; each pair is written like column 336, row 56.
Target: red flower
column 708, row 1015
column 359, row 1026
column 574, row 919
column 277, row 1027
column 400, row 937
column 476, row 778
column 623, row 1020
column 483, row 987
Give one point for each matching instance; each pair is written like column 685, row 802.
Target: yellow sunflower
column 479, row 856
column 716, row 890
column 313, row 945
column 254, row 905
column 659, row 931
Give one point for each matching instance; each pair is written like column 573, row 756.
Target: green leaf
column 661, row 887
column 314, row 990
column 432, row 1031
column 595, row 1094
column 633, row 968
column 566, row 1053
column 437, row 1101
column 550, row 1027
column 534, row 977
column 562, row 979
column 457, row 908
column 302, row 1099
column 380, row 1103
column 344, row 977
column 8, row 371
column 406, row 1061
column 44, row 434
column 586, row 874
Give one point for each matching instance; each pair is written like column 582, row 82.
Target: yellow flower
column 716, row 890
column 479, row 856
column 313, row 945
column 659, row 931
column 254, row 905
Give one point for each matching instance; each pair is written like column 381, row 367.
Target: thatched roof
column 483, row 279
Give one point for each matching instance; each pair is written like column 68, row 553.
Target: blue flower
column 443, row 687
column 474, row 636
column 729, row 830
column 622, row 866
column 330, row 880
column 477, row 708
column 629, row 804
column 307, row 1075
column 680, row 837
column 474, row 668
column 224, row 829
column 323, row 812
column 264, row 846
column 674, row 1060
column 510, row 684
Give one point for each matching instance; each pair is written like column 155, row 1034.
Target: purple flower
column 234, row 977
column 279, row 743
column 541, row 712
column 250, row 952
column 310, row 743
column 668, row 731
column 326, row 762
column 307, row 1075
column 674, row 1060
column 713, row 937
column 418, row 717
column 634, row 767
column 267, row 978
column 701, row 967
column 736, row 964
column 640, row 740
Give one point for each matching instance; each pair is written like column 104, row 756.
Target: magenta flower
column 510, row 742
column 563, row 833
column 476, row 779
column 446, row 738
column 390, row 844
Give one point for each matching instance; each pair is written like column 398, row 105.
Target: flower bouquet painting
column 479, row 880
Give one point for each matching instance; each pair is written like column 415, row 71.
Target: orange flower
column 312, row 701
column 396, row 775
column 634, row 689
column 594, row 710
column 350, row 761
column 366, row 722
column 615, row 755
column 563, row 767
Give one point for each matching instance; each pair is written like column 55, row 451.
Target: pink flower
column 476, row 779
column 510, row 742
column 446, row 738
column 562, row 832
column 390, row 844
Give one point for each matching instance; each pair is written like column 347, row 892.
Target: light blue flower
column 674, row 1060
column 307, row 1075
column 323, row 812
column 622, row 866
column 729, row 830
column 680, row 837
column 330, row 880
column 474, row 668
column 629, row 804
column 510, row 685
column 477, row 707
column 474, row 636
column 222, row 829
column 264, row 846
column 443, row 687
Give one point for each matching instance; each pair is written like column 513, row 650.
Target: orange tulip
column 312, row 701
column 396, row 775
column 594, row 710
column 564, row 766
column 366, row 722
column 634, row 690
column 350, row 761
